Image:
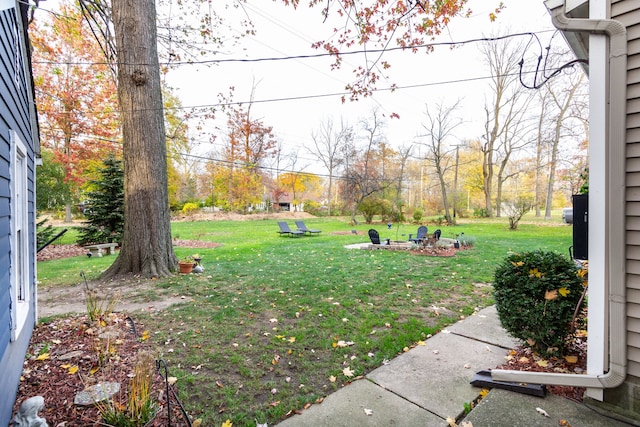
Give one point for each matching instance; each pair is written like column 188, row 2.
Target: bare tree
column 540, row 144
column 439, row 128
column 506, row 103
column 328, row 145
column 514, row 138
column 363, row 176
column 562, row 101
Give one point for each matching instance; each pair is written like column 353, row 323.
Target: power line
column 316, row 96
column 312, row 56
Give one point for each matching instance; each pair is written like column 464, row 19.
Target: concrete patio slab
column 501, row 408
column 346, row 407
column 436, row 376
column 485, row 326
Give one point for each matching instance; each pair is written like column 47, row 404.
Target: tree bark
column 146, row 245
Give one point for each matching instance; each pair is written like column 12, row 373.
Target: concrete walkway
column 428, row 384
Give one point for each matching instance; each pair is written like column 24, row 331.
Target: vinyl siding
column 628, row 13
column 16, row 113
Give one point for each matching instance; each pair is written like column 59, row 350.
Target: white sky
column 282, row 31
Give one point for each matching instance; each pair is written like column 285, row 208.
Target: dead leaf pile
column 575, row 362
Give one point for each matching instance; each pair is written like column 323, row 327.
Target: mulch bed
column 524, row 359
column 51, row 376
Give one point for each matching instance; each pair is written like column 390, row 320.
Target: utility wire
column 313, row 56
column 316, row 96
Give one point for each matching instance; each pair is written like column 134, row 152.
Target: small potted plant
column 186, row 264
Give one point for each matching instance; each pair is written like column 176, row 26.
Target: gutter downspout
column 614, row 250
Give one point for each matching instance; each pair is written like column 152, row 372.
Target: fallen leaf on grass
column 332, row 379
column 43, row 356
column 543, row 412
column 347, row 372
column 197, row 422
column 227, row 423
column 172, row 380
column 274, row 404
column 542, row 364
column 551, row 295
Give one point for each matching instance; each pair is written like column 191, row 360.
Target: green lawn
column 275, row 321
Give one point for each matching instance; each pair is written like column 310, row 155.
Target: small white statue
column 27, row 415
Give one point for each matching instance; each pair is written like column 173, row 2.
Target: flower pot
column 186, row 267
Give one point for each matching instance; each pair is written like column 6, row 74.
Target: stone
column 71, row 355
column 109, row 334
column 96, row 393
column 27, row 415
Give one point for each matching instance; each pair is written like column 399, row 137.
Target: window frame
column 21, row 286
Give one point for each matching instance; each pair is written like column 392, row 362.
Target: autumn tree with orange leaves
column 75, row 93
column 237, row 179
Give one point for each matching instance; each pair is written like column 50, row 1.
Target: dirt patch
column 131, row 293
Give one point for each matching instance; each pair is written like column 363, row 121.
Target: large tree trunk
column 146, row 245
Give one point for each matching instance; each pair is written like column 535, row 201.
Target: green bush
column 417, row 216
column 465, row 240
column 480, row 213
column 536, row 295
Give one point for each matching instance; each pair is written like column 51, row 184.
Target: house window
column 19, row 272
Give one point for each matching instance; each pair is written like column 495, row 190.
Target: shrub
column 480, row 213
column 417, row 216
column 312, row 207
column 465, row 240
column 190, row 208
column 536, row 296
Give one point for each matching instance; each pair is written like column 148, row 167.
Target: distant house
column 19, row 148
column 607, row 33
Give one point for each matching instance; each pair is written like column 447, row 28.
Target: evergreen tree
column 105, row 207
